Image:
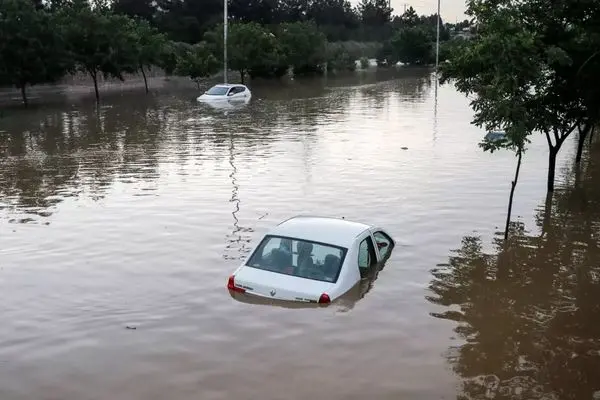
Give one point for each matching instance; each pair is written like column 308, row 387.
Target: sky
column 450, row 10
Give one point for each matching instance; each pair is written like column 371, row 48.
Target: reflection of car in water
column 312, row 260
column 226, row 92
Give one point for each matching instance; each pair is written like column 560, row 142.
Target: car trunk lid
column 280, row 286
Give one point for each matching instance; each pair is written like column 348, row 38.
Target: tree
column 249, row 47
column 514, row 139
column 170, row 54
column 408, row 18
column 259, row 11
column 197, row 63
column 143, row 9
column 375, row 12
column 303, row 46
column 414, row 45
column 32, row 49
column 338, row 59
column 505, row 78
column 100, row 42
column 149, row 47
column 336, row 18
column 522, row 68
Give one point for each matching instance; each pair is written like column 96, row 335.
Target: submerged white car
column 311, row 259
column 226, row 92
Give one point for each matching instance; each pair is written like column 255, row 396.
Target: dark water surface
column 136, row 213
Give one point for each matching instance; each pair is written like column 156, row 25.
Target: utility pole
column 437, row 43
column 225, row 41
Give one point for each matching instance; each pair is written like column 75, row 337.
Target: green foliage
column 450, row 48
column 386, row 55
column 149, row 44
column 303, row 46
column 505, row 75
column 32, row 50
column 44, row 40
column 250, row 47
column 101, row 42
column 364, row 63
column 197, row 62
column 414, row 39
column 414, row 45
column 374, row 12
column 527, row 70
column 170, row 55
column 340, row 60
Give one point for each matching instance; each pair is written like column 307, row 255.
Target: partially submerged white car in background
column 311, row 259
column 226, row 92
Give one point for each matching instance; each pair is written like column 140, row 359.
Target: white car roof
column 335, row 231
column 229, row 85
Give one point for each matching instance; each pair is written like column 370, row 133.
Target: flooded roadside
column 136, row 214
column 526, row 312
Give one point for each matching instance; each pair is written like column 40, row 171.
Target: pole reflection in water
column 435, row 108
column 239, row 239
column 528, row 311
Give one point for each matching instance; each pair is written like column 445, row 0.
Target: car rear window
column 297, row 257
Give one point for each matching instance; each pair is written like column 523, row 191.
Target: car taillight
column 231, row 285
column 324, row 299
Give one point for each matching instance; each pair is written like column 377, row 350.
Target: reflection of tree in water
column 529, row 312
column 75, row 153
column 239, row 239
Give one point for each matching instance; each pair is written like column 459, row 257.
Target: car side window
column 274, row 243
column 366, row 254
column 384, row 244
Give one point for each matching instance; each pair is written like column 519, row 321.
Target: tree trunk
column 145, row 79
column 95, row 78
column 552, row 167
column 242, row 75
column 582, row 135
column 512, row 192
column 24, row 94
column 547, row 214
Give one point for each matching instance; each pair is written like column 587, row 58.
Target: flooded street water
column 133, row 215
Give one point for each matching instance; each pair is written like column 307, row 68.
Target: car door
column 367, row 254
column 384, row 244
column 236, row 92
column 241, row 92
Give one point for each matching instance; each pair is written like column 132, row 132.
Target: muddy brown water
column 134, row 214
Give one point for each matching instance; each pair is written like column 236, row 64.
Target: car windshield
column 218, row 91
column 296, row 257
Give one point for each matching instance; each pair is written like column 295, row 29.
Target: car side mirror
column 230, row 94
column 381, row 245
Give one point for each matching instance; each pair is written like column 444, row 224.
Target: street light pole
column 437, row 42
column 225, row 41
